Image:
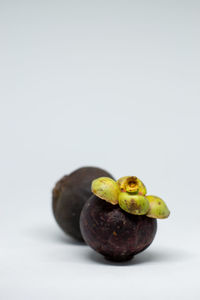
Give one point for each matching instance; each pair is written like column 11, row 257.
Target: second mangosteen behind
column 70, row 194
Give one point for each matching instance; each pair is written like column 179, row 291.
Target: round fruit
column 113, row 232
column 70, row 194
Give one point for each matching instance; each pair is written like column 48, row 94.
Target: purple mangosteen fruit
column 119, row 220
column 113, row 232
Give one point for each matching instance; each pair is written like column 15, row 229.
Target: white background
column 113, row 84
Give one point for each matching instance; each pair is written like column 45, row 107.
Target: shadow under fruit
column 69, row 196
column 113, row 232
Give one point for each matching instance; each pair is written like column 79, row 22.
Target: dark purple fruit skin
column 70, row 194
column 114, row 233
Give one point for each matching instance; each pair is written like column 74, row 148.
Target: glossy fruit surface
column 113, row 232
column 70, row 194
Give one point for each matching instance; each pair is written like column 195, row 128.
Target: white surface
column 108, row 83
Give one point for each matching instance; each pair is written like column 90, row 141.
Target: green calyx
column 133, row 204
column 130, row 193
column 132, row 184
column 157, row 208
column 106, row 189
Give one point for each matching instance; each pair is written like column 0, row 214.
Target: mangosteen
column 119, row 220
column 113, row 232
column 70, row 194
